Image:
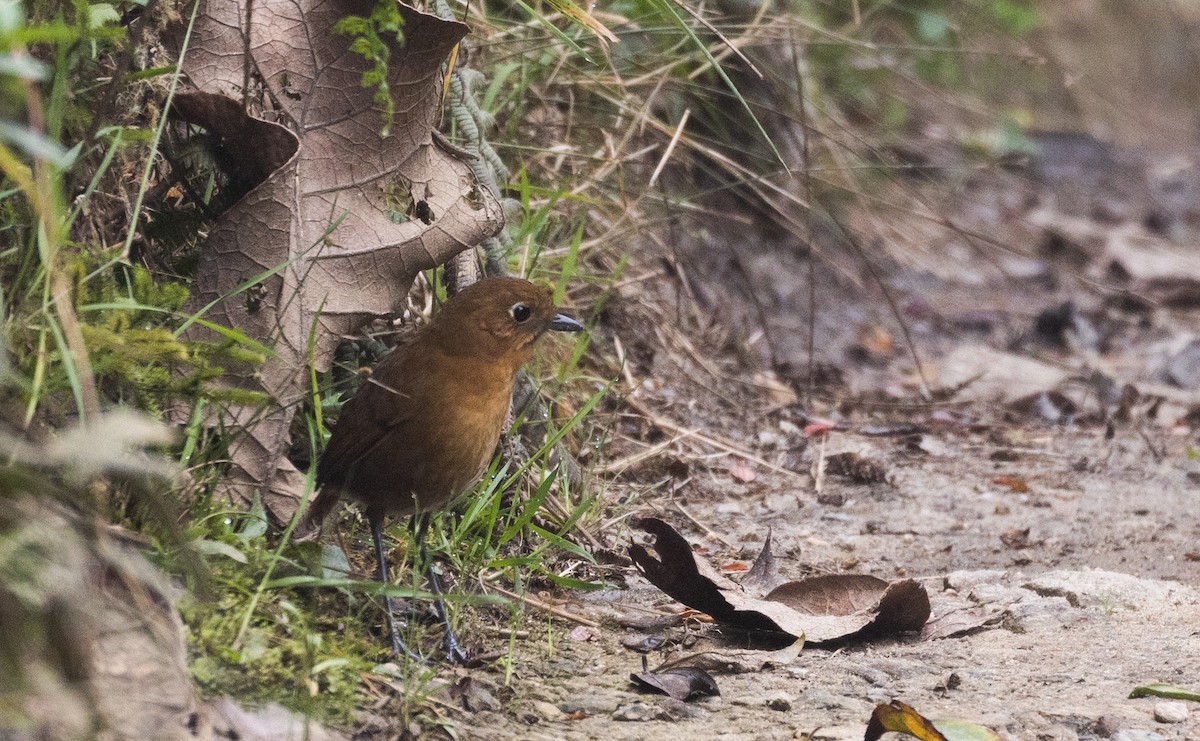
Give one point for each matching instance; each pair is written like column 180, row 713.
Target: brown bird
column 423, row 427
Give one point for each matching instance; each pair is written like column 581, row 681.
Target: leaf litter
column 823, row 609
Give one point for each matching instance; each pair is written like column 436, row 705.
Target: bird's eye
column 520, row 313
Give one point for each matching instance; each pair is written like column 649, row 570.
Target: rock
column 547, row 710
column 585, row 705
column 1183, row 369
column 1107, row 726
column 999, row 594
column 1098, row 588
column 640, row 712
column 270, row 723
column 877, row 677
column 1042, row 612
column 475, row 695
column 1171, row 711
column 963, row 580
column 779, row 700
column 985, row 374
column 680, row 710
column 1136, row 735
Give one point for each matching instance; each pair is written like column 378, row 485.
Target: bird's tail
column 309, row 527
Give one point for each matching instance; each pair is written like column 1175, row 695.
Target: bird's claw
column 455, row 655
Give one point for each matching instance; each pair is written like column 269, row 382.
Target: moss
column 302, row 648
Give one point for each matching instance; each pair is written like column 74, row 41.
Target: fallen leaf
column 841, row 606
column 900, row 718
column 1015, row 484
column 962, row 621
column 764, row 573
column 819, row 427
column 682, row 683
column 961, row 730
column 584, row 634
column 822, row 609
column 742, row 472
column 1169, row 691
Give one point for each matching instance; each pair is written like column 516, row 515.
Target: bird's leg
column 454, row 652
column 397, row 644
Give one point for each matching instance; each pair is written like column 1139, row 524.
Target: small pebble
column 1171, row 712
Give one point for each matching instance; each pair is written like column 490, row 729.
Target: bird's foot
column 455, row 654
column 398, row 648
column 401, row 651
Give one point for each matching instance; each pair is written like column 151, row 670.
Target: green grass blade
column 668, row 7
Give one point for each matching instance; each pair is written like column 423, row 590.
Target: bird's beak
column 564, row 323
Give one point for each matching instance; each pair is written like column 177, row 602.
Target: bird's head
column 500, row 317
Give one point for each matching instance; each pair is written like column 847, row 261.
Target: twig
column 707, row 530
column 887, row 295
column 499, row 632
column 712, row 440
column 806, row 183
column 662, row 162
column 552, row 609
column 1154, row 452
column 620, row 465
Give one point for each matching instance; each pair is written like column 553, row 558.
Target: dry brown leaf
column 1015, row 484
column 764, row 573
column 823, row 609
column 682, row 683
column 962, row 621
column 329, row 187
column 840, row 606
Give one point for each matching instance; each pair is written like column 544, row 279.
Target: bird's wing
column 367, row 419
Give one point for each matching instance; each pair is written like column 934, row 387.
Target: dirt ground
column 1043, row 488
